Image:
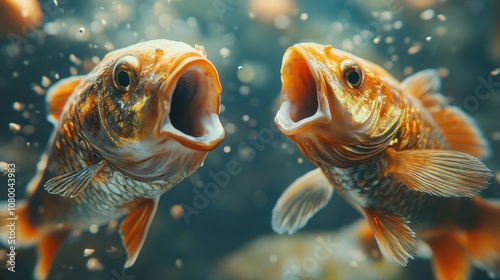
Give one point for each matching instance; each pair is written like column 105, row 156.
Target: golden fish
column 396, row 152
column 140, row 122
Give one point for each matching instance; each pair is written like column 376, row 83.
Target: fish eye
column 353, row 75
column 125, row 73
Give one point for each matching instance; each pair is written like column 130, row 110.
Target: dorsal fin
column 459, row 130
column 57, row 96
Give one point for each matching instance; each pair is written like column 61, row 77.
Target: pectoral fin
column 57, row 96
column 71, row 184
column 439, row 172
column 300, row 201
column 135, row 228
column 394, row 237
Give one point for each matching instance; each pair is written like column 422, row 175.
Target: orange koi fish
column 141, row 121
column 397, row 152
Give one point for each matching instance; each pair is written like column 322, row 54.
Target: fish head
column 338, row 108
column 152, row 109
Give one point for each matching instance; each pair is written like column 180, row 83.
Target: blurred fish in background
column 228, row 202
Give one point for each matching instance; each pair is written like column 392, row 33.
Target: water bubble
column 14, row 127
column 81, row 29
column 304, row 16
column 427, row 14
column 225, row 52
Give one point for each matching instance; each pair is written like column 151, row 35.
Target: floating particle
column 94, row 228
column 112, row 226
column 497, row 177
column 15, row 74
column 225, row 52
column 75, row 60
column 38, row 89
column 441, row 17
column 495, row 71
column 443, row 72
column 495, row 136
column 376, row 40
column 81, row 29
column 88, row 252
column 441, row 31
column 230, row 128
column 427, row 14
column 191, row 22
column 428, row 38
column 94, row 264
column 178, row 263
column 57, row 76
column 354, row 264
column 247, row 74
column 408, row 70
column 227, row 149
column 73, row 71
column 304, row 16
column 389, row 40
column 28, row 129
column 45, row 82
column 56, row 2
column 245, row 118
column 415, row 48
column 3, row 168
column 300, row 160
column 244, row 90
column 14, row 127
column 176, row 211
column 240, row 68
column 282, row 22
column 397, row 24
column 18, row 106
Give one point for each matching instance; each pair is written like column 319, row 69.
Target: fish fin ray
column 395, row 238
column 47, row 250
column 439, row 172
column 300, row 201
column 459, row 130
column 72, row 183
column 449, row 257
column 135, row 228
column 57, row 96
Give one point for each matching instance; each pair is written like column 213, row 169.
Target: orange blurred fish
column 140, row 122
column 396, row 152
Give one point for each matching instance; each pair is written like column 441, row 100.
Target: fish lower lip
column 304, row 97
column 192, row 107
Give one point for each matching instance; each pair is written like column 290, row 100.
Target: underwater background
column 245, row 40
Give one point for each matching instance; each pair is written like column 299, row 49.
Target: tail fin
column 15, row 225
column 17, row 230
column 484, row 241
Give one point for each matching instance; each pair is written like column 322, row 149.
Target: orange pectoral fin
column 57, row 96
column 449, row 257
column 439, row 172
column 395, row 238
column 47, row 250
column 135, row 228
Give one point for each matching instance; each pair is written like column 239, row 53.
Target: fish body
column 397, row 152
column 141, row 121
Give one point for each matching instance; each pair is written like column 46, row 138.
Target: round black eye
column 123, row 79
column 125, row 73
column 353, row 75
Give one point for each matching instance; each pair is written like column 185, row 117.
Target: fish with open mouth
column 141, row 121
column 397, row 152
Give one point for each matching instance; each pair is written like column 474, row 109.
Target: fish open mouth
column 303, row 92
column 192, row 105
